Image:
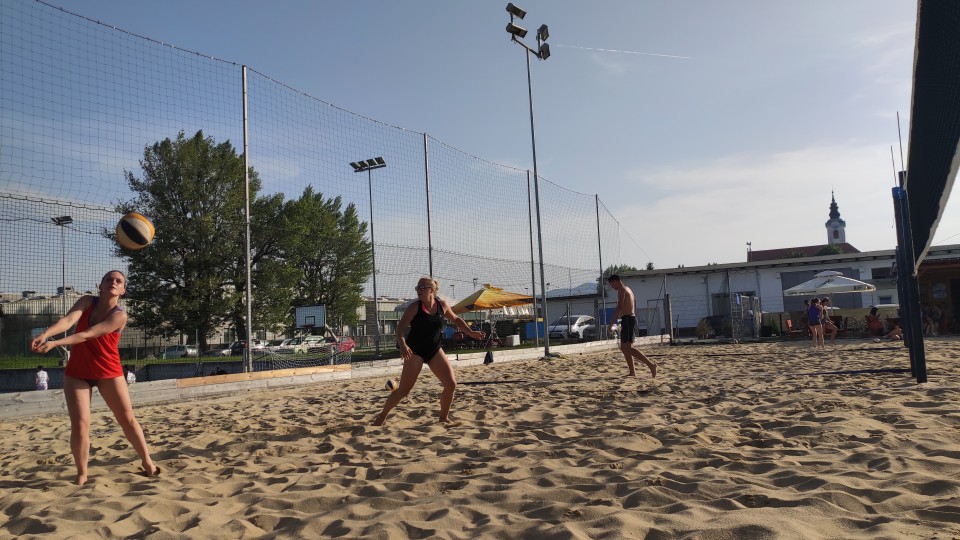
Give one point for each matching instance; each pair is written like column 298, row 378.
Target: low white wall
column 21, row 404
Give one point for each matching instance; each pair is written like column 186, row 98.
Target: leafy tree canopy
column 186, row 281
column 328, row 244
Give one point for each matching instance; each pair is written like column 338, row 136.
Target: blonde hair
column 434, row 284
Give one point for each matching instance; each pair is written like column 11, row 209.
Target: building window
column 885, row 299
column 881, row 273
column 836, row 234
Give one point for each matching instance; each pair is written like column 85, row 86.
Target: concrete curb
column 23, row 404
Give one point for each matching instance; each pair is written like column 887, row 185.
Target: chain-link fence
column 80, row 101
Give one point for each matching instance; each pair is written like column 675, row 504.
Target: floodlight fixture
column 544, row 51
column 365, row 165
column 516, row 11
column 517, row 31
column 62, row 220
column 543, row 33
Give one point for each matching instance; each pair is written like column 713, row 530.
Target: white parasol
column 829, row 282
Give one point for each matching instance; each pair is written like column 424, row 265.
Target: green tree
column 829, row 249
column 272, row 275
column 619, row 269
column 615, row 269
column 189, row 279
column 328, row 244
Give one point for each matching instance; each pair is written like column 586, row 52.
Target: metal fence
column 80, row 100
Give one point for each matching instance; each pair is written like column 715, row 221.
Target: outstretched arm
column 112, row 323
column 65, row 323
column 460, row 323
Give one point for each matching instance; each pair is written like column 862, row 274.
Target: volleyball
column 877, row 340
column 391, row 385
column 134, row 231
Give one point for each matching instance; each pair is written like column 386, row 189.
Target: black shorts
column 628, row 328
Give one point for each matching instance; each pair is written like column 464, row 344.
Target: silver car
column 572, row 327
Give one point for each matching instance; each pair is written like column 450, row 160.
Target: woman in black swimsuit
column 424, row 319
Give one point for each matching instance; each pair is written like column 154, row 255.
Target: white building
column 703, row 291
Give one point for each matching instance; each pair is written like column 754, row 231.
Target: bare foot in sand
column 379, row 421
column 150, row 470
column 81, row 479
column 653, row 370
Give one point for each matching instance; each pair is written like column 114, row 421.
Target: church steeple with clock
column 836, row 227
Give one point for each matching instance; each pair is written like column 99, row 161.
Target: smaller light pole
column 453, row 291
column 475, row 281
column 62, row 222
column 367, row 166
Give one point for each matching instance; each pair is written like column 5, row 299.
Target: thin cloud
column 623, row 52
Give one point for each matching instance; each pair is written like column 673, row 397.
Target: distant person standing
column 828, row 324
column 627, row 311
column 129, row 375
column 814, row 315
column 42, row 379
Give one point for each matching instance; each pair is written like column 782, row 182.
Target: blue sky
column 776, row 104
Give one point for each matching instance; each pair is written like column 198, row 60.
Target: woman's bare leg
column 440, row 366
column 115, row 394
column 408, row 378
column 77, row 394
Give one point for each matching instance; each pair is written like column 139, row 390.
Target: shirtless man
column 627, row 312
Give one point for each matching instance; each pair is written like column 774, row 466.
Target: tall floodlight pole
column 62, row 222
column 368, row 165
column 542, row 53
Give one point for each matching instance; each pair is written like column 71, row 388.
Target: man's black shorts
column 628, row 328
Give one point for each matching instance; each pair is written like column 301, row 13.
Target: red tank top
column 97, row 358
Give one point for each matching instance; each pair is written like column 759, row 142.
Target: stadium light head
column 543, row 33
column 518, row 31
column 515, row 11
column 544, row 51
column 365, row 165
column 62, row 220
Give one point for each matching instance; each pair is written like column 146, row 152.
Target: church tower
column 836, row 227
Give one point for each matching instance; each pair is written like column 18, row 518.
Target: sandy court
column 730, row 441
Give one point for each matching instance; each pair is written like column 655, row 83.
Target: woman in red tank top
column 95, row 361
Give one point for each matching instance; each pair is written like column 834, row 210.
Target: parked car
column 237, row 347
column 173, row 352
column 274, row 344
column 217, row 351
column 572, row 327
column 291, row 346
column 329, row 343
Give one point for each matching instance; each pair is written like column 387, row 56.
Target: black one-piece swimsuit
column 425, row 331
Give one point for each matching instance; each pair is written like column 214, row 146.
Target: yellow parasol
column 490, row 297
